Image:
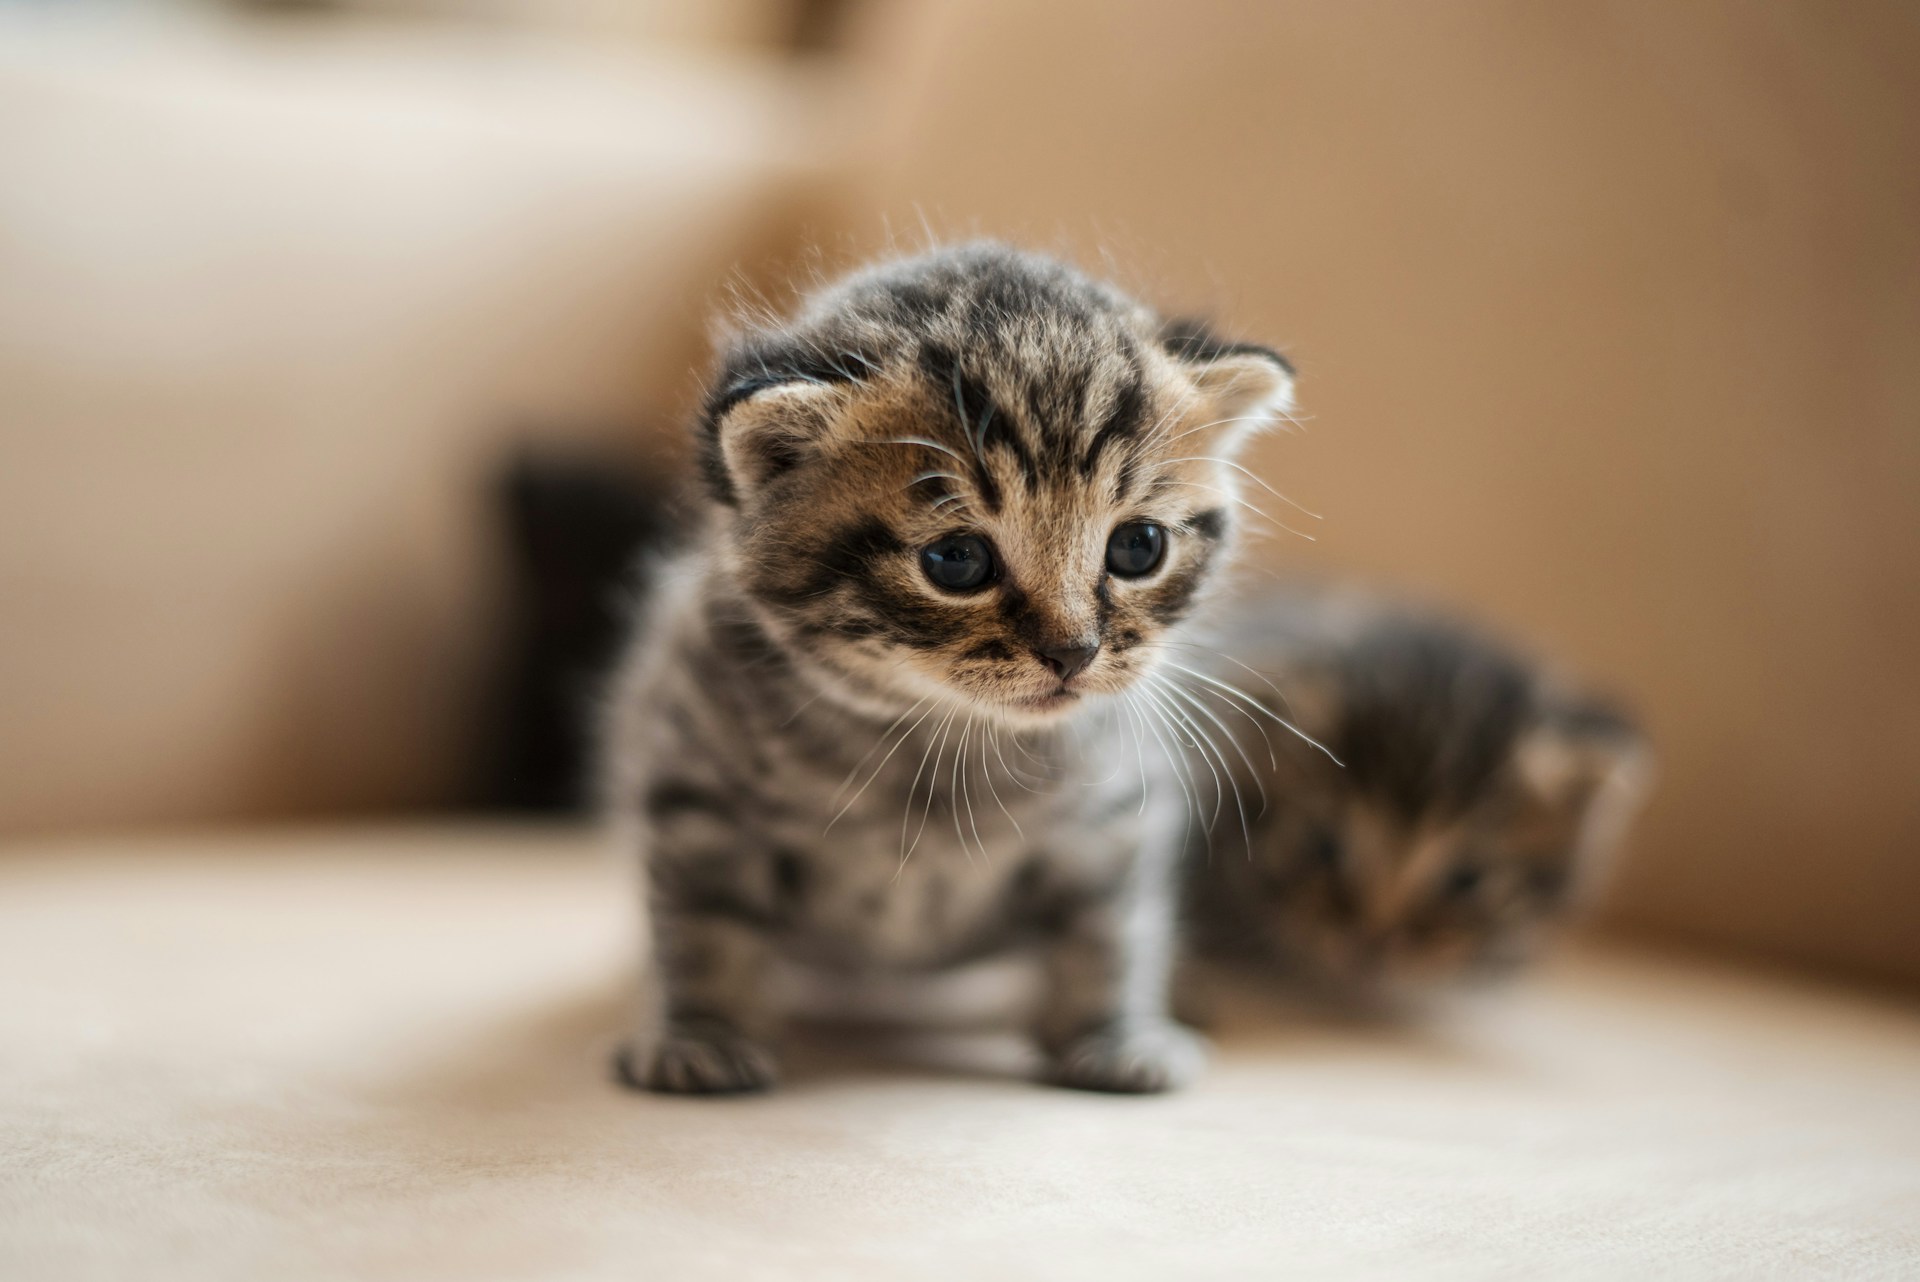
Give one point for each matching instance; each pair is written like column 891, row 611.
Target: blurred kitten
column 1444, row 806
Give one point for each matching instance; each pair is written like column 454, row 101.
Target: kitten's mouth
column 1051, row 701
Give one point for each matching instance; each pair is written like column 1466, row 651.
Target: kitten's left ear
column 1247, row 387
column 1587, row 760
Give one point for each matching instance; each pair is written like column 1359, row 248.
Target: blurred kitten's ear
column 1247, row 387
column 1588, row 761
column 758, row 428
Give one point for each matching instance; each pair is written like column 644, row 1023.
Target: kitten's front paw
column 1136, row 1057
column 709, row 1059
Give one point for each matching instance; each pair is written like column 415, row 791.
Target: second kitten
column 1453, row 807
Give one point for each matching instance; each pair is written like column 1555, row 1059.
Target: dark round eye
column 1462, row 882
column 1324, row 848
column 1135, row 549
column 958, row 562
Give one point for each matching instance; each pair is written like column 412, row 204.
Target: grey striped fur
column 1475, row 800
column 820, row 755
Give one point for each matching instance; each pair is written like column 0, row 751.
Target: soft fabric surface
column 379, row 1053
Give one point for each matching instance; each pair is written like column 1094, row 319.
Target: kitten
column 1453, row 804
column 880, row 718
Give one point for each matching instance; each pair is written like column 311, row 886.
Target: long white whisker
column 957, row 787
column 1222, row 422
column 966, row 791
column 1260, row 512
column 933, row 785
column 918, row 440
column 1239, row 801
column 991, row 736
column 808, row 703
column 898, row 744
column 1250, row 475
column 1013, row 772
column 1278, row 693
column 906, row 810
column 877, row 741
column 1197, row 741
column 1257, row 706
column 932, row 476
column 1176, row 763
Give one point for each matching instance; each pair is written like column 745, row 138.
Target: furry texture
column 1472, row 804
column 822, row 753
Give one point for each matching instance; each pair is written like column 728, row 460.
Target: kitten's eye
column 1462, row 882
column 1324, row 848
column 1135, row 549
column 958, row 562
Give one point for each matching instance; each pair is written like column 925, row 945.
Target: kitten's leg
column 702, row 1009
column 1106, row 1024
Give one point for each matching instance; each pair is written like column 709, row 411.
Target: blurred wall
column 275, row 300
column 1609, row 322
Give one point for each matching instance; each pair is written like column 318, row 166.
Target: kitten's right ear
column 758, row 427
column 1590, row 760
column 1248, row 387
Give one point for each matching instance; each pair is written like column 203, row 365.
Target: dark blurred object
column 791, row 26
column 578, row 524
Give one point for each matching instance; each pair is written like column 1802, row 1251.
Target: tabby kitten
column 1453, row 806
column 882, row 715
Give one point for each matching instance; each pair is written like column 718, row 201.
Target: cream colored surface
column 378, row 1054
column 1608, row 322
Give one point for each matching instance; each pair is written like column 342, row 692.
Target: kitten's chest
column 920, row 887
column 924, row 875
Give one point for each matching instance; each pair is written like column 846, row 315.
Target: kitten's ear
column 1247, row 387
column 758, row 428
column 1588, row 761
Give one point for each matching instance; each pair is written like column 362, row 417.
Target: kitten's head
column 979, row 477
column 1473, row 805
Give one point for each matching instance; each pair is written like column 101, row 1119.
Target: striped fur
column 824, row 756
column 1475, row 798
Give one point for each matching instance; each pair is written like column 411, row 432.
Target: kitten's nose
column 1067, row 661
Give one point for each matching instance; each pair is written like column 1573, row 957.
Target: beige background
column 275, row 303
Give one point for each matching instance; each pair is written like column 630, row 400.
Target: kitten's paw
column 705, row 1060
column 1137, row 1057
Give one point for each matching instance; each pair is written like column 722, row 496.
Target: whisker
column 898, row 744
column 966, row 792
column 916, row 440
column 957, row 787
column 933, row 786
column 1251, row 476
column 906, row 809
column 1231, row 497
column 1197, row 741
column 1239, row 800
column 932, row 476
column 1176, row 764
column 808, row 703
column 1259, row 707
column 1012, row 772
column 986, row 770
